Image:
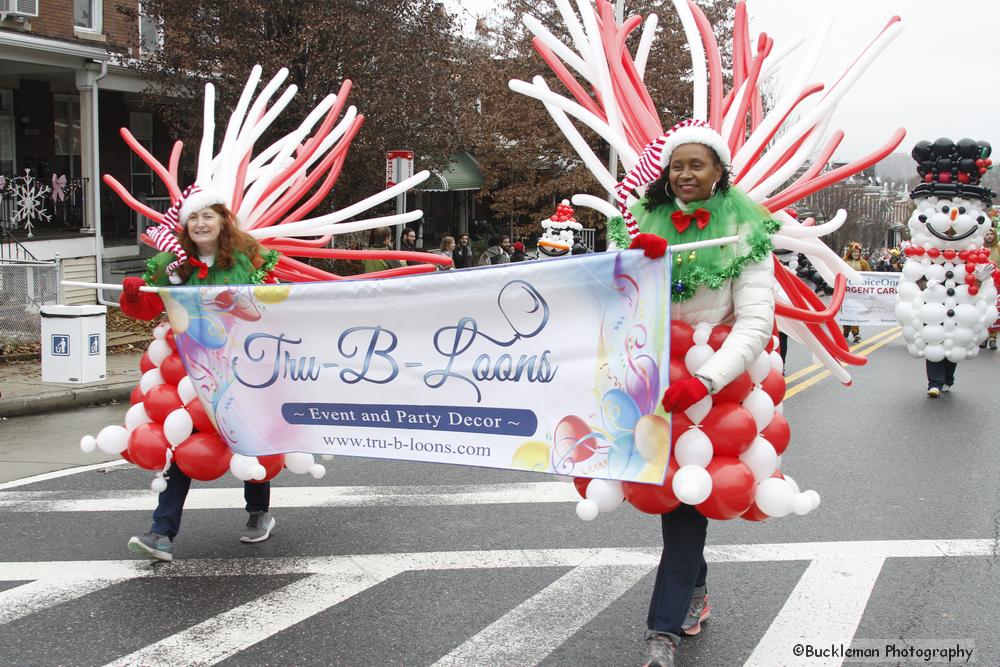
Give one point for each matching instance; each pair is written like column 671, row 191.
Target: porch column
column 86, row 83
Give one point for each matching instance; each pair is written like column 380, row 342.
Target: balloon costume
column 271, row 192
column 727, row 446
column 559, row 230
column 948, row 288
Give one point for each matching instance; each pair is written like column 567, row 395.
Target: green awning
column 462, row 174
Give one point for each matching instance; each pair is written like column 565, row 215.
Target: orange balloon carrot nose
column 954, row 214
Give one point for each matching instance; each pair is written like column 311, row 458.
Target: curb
column 65, row 399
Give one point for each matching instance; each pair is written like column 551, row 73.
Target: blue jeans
column 167, row 515
column 682, row 567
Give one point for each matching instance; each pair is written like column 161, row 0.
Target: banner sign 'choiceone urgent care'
column 871, row 302
column 551, row 366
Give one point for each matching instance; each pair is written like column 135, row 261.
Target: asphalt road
column 416, row 565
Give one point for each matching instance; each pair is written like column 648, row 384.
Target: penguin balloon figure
column 947, row 294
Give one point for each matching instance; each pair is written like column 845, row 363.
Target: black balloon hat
column 952, row 169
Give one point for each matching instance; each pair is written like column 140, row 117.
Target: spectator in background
column 380, row 238
column 855, row 261
column 495, row 253
column 446, row 250
column 408, row 242
column 519, row 254
column 462, row 254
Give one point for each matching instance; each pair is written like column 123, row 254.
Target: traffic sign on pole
column 398, row 167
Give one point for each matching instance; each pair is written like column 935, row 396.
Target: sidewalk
column 22, row 391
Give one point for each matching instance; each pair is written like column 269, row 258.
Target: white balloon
column 904, row 311
column 957, row 354
column 587, row 510
column 933, row 352
column 177, row 427
column 912, row 270
column 908, row 291
column 318, row 471
column 702, row 333
column 932, row 334
column 761, row 407
column 933, row 313
column 777, row 363
column 697, row 412
column 962, row 336
column 801, row 504
column 792, row 483
column 88, row 444
column 692, row 484
column 774, row 497
column 696, row 357
column 966, row 315
column 693, row 448
column 760, row 367
column 257, row 470
column 158, row 485
column 299, row 463
column 136, row 416
column 761, row 458
column 112, row 439
column 242, row 467
column 161, row 330
column 606, row 493
column 562, row 478
column 935, row 272
column 185, row 389
column 150, row 379
column 813, row 497
column 158, row 351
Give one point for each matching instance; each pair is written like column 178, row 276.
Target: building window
column 141, row 126
column 150, row 33
column 66, row 153
column 87, row 15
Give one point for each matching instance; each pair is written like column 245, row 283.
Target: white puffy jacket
column 747, row 304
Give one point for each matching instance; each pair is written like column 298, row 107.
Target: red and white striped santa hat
column 164, row 236
column 656, row 155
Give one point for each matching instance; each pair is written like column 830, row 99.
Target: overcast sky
column 939, row 77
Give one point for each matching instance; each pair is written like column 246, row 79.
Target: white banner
column 871, row 302
column 546, row 366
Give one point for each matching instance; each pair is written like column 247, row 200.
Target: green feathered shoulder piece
column 732, row 214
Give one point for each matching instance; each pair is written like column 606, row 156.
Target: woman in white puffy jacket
column 690, row 199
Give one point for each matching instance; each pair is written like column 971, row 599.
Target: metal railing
column 142, row 223
column 12, row 249
column 25, row 286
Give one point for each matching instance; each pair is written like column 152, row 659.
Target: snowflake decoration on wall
column 29, row 201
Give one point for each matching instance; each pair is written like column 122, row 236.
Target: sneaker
column 660, row 650
column 152, row 545
column 698, row 612
column 945, row 388
column 933, row 392
column 992, row 343
column 258, row 528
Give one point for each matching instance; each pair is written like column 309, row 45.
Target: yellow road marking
column 809, row 369
column 805, row 384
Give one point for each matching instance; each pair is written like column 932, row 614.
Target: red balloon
column 200, row 418
column 273, row 464
column 581, row 484
column 147, row 446
column 653, row 499
column 679, row 423
column 135, row 396
column 681, row 338
column 733, row 488
column 735, row 391
column 203, row 456
column 719, row 334
column 160, row 401
column 145, row 363
column 731, row 429
column 774, row 385
column 678, row 371
column 777, row 433
column 170, row 340
column 172, row 369
column 125, row 455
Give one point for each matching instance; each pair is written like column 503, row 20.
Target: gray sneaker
column 258, row 528
column 152, row 545
column 698, row 612
column 660, row 650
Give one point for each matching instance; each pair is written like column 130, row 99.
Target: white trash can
column 73, row 344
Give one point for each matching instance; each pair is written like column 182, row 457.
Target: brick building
column 64, row 92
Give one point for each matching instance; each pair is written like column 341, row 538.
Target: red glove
column 140, row 305
column 683, row 394
column 655, row 246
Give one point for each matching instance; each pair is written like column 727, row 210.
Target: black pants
column 682, row 567
column 940, row 373
column 167, row 515
column 783, row 345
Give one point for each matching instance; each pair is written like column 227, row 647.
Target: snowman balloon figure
column 948, row 290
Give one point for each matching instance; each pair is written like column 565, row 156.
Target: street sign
column 398, row 167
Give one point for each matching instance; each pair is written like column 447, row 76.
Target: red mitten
column 140, row 305
column 683, row 394
column 654, row 246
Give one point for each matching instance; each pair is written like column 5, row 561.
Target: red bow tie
column 682, row 220
column 202, row 267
